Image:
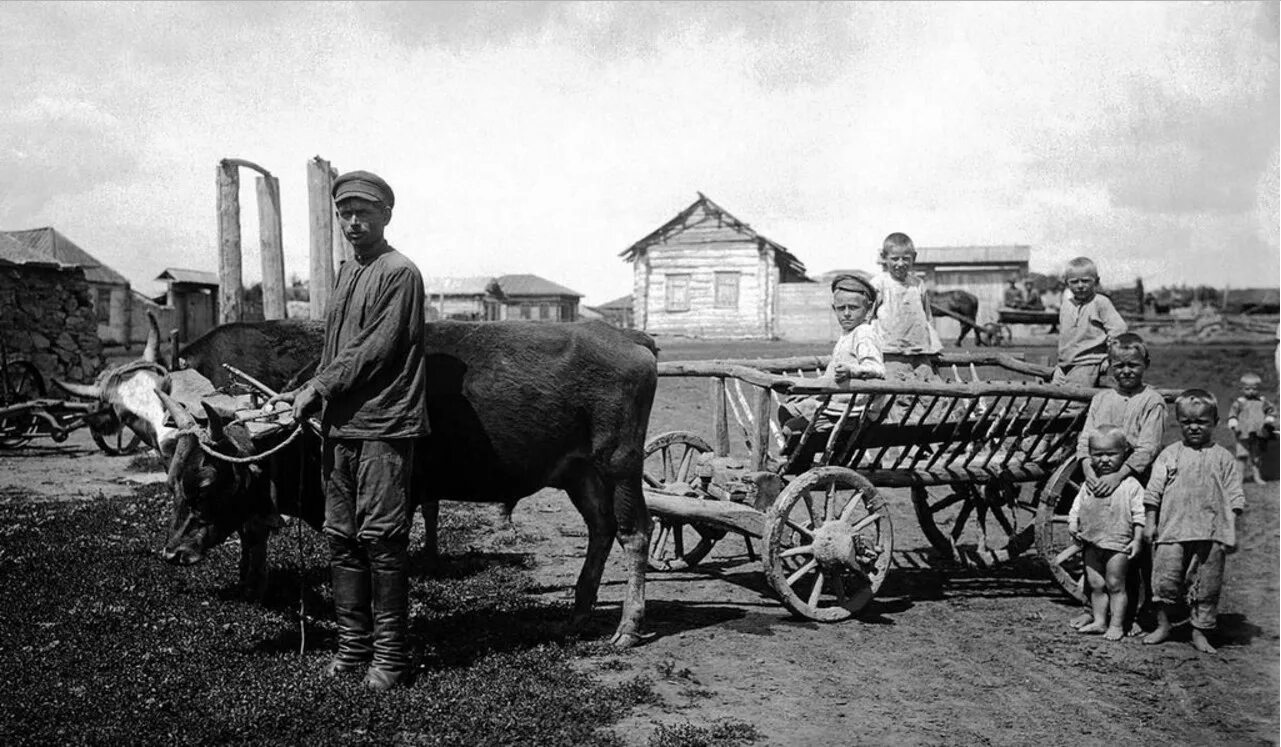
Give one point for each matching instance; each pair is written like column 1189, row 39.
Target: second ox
column 513, row 406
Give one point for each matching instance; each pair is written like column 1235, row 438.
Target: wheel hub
column 836, row 546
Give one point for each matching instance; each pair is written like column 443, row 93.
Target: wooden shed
column 193, row 294
column 470, row 299
column 109, row 291
column 535, row 298
column 706, row 273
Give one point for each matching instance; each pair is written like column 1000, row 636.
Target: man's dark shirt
column 373, row 372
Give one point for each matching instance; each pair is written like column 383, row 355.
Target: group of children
column 1163, row 517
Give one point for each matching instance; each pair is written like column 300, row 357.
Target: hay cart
column 26, row 412
column 989, row 464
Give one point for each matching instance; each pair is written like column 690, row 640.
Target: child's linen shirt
column 1084, row 329
column 860, row 346
column 1108, row 522
column 1195, row 492
column 1141, row 416
column 902, row 316
column 1251, row 414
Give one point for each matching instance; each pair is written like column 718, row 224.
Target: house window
column 102, row 306
column 727, row 290
column 544, row 312
column 524, row 311
column 678, row 292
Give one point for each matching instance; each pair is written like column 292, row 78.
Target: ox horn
column 181, row 417
column 91, row 391
column 153, row 339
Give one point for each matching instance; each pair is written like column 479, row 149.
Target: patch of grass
column 729, row 733
column 148, row 461
column 104, row 643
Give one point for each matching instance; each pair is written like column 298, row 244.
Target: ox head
column 127, row 394
column 212, row 497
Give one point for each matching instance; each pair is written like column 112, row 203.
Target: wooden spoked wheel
column 669, row 464
column 977, row 523
column 22, row 383
column 828, row 542
column 121, row 442
column 1053, row 543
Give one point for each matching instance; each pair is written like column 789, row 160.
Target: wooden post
column 320, row 206
column 229, row 278
column 720, row 417
column 760, row 439
column 273, row 255
column 343, row 250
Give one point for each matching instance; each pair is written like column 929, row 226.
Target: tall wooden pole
column 229, row 278
column 273, row 253
column 343, row 250
column 321, row 211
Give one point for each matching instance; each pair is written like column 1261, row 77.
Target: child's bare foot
column 1200, row 643
column 1093, row 628
column 1114, row 634
column 1157, row 636
column 1082, row 619
column 1135, row 631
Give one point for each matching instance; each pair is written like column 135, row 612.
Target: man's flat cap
column 365, row 185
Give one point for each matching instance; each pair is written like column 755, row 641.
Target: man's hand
column 305, row 400
column 1105, row 484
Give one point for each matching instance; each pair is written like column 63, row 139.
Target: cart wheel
column 977, row 524
column 675, row 545
column 120, row 443
column 1053, row 544
column 22, row 383
column 828, row 542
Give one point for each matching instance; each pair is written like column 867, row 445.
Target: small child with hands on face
column 1252, row 418
column 1109, row 526
column 1192, row 501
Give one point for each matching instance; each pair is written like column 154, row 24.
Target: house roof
column 14, row 252
column 618, row 303
column 784, row 258
column 472, row 286
column 532, row 285
column 973, row 255
column 54, row 246
column 181, row 275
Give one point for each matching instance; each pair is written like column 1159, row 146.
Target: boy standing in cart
column 1087, row 323
column 902, row 317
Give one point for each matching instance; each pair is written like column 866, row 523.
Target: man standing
column 372, row 383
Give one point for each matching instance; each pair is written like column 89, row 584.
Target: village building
column 109, row 291
column 619, row 312
column 193, row 296
column 705, row 273
column 984, row 271
column 490, row 299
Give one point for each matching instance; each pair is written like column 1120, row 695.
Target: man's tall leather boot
column 351, row 586
column 389, row 561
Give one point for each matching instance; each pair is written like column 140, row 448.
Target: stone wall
column 47, row 317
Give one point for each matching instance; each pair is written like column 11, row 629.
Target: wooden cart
column 990, row 466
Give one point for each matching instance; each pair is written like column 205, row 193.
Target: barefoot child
column 856, row 355
column 1087, row 323
column 902, row 316
column 1193, row 501
column 1139, row 411
column 1110, row 528
column 1252, row 419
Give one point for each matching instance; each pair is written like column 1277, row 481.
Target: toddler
column 902, row 317
column 1252, row 419
column 1087, row 322
column 1109, row 526
column 1192, row 501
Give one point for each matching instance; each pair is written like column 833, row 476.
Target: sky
column 548, row 138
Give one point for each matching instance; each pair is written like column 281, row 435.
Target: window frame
column 669, row 283
column 717, row 277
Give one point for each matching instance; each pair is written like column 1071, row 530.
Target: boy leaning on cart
column 856, row 355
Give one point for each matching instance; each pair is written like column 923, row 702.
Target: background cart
column 989, row 465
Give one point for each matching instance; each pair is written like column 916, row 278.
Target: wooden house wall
column 559, row 308
column 456, row 307
column 700, row 252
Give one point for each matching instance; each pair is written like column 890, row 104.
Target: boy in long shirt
column 1087, row 322
column 372, row 382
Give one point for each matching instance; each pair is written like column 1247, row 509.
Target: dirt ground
column 943, row 655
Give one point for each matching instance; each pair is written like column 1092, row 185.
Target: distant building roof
column 587, row 312
column 532, row 285
column 618, row 303
column 195, row 277
column 14, row 252
column 473, row 286
column 785, row 259
column 54, row 246
column 973, row 255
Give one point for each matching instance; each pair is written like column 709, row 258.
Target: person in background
column 1252, row 418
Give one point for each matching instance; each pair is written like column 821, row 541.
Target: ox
column 513, row 406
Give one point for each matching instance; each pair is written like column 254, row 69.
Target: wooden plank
column 271, row 248
column 230, row 284
column 761, row 435
column 320, row 208
column 720, row 418
column 734, row 517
